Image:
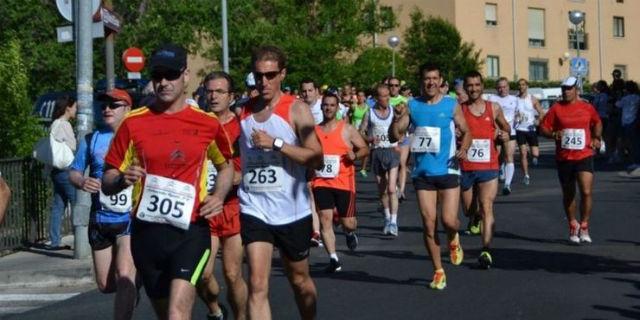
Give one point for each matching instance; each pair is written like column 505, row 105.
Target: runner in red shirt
column 163, row 150
column 577, row 130
column 480, row 169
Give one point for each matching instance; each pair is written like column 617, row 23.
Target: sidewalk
column 33, row 268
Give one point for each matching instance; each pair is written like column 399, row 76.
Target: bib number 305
column 167, row 201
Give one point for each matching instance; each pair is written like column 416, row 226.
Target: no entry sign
column 133, row 59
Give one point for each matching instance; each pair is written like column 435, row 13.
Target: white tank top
column 509, row 105
column 379, row 128
column 316, row 111
column 526, row 114
column 273, row 187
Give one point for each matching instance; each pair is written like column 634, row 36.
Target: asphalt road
column 537, row 274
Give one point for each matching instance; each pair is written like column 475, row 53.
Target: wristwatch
column 277, row 144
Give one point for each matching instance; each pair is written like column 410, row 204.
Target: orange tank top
column 482, row 154
column 337, row 172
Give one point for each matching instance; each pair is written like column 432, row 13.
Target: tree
column 19, row 129
column 374, row 64
column 436, row 41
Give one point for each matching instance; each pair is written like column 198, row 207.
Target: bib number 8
column 262, row 176
column 166, row 206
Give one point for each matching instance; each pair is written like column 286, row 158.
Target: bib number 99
column 120, row 199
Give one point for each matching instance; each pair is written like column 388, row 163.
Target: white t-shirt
column 316, row 111
column 509, row 104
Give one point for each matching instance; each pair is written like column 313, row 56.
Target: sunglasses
column 112, row 106
column 394, row 85
column 567, row 87
column 269, row 75
column 168, row 74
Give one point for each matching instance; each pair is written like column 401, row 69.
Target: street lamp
column 577, row 17
column 393, row 42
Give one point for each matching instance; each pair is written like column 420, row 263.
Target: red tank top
column 482, row 154
column 334, row 150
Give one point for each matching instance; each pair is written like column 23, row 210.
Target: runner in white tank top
column 528, row 108
column 508, row 103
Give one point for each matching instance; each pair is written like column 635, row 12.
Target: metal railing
column 27, row 218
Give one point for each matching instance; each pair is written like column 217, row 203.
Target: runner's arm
column 364, row 125
column 546, row 126
column 536, row 105
column 359, row 145
column 400, row 123
column 461, row 124
column 5, row 197
column 501, row 121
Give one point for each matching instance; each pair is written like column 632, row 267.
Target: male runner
column 277, row 144
column 384, row 157
column 163, row 149
column 357, row 113
column 577, row 130
column 525, row 124
column 225, row 227
column 436, row 172
column 480, row 168
column 508, row 103
column 334, row 186
column 110, row 218
column 403, row 145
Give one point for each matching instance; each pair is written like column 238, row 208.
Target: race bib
column 120, row 202
column 426, row 139
column 381, row 136
column 167, row 201
column 479, row 151
column 212, row 173
column 263, row 172
column 573, row 139
column 330, row 167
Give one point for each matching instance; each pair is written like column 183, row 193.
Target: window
column 575, row 38
column 491, row 14
column 618, row 27
column 622, row 68
column 493, row 67
column 620, row 1
column 536, row 27
column 538, row 70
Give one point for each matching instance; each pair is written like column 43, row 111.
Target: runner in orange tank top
column 480, row 168
column 334, row 184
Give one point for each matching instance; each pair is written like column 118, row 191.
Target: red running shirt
column 174, row 146
column 482, row 154
column 574, row 121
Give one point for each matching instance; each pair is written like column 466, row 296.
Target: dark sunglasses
column 168, row 74
column 567, row 87
column 394, row 84
column 270, row 75
column 112, row 106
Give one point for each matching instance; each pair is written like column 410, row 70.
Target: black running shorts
column 343, row 200
column 527, row 137
column 103, row 235
column 162, row 253
column 292, row 239
column 568, row 170
column 447, row 181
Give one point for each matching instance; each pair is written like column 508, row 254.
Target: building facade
column 534, row 39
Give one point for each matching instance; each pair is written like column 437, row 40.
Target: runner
column 508, row 103
column 525, row 124
column 311, row 96
column 163, row 149
column 110, row 222
column 358, row 111
column 480, row 168
column 403, row 145
column 577, row 129
column 277, row 144
column 436, row 172
column 225, row 227
column 334, row 186
column 384, row 157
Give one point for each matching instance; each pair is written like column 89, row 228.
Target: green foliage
column 374, row 64
column 19, row 130
column 436, row 41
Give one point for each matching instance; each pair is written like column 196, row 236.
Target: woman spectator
column 63, row 192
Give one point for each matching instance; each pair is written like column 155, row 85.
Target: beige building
column 534, row 39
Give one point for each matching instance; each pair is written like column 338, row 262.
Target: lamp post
column 393, row 42
column 576, row 17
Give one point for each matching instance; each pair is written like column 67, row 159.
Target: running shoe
column 439, row 281
column 334, row 266
column 534, row 161
column 352, row 241
column 526, row 180
column 221, row 316
column 455, row 251
column 506, row 190
column 387, row 225
column 574, row 229
column 363, row 173
column 474, row 227
column 316, row 241
column 393, row 229
column 584, row 233
column 485, row 260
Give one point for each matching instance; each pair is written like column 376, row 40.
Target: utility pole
column 109, row 53
column 225, row 38
column 84, row 125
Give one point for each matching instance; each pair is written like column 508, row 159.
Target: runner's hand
column 596, row 143
column 351, row 156
column 399, row 111
column 132, row 175
column 261, row 139
column 504, row 136
column 91, row 185
column 461, row 154
column 211, row 206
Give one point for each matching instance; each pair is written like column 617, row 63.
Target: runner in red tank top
column 480, row 168
column 334, row 184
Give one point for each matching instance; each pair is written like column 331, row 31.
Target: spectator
column 629, row 105
column 63, row 192
column 602, row 103
column 5, row 197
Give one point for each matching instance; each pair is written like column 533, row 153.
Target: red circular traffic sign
column 133, row 59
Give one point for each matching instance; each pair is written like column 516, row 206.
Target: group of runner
column 172, row 184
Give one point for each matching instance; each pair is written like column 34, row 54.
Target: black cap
column 169, row 56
